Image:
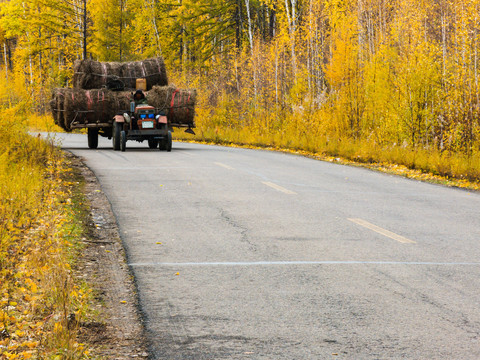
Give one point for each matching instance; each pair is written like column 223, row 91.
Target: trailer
column 98, row 110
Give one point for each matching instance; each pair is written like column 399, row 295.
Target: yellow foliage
column 35, row 280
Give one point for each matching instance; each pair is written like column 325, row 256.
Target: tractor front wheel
column 92, row 138
column 123, row 140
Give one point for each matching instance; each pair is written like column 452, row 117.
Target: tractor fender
column 119, row 118
column 162, row 119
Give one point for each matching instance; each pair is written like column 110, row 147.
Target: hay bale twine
column 90, row 74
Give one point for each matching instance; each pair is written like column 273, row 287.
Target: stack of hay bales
column 90, row 101
column 90, row 74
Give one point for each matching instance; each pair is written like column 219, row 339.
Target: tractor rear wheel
column 92, row 138
column 117, row 128
column 169, row 141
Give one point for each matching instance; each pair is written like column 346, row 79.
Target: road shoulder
column 117, row 332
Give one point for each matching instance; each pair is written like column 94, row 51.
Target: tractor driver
column 139, row 98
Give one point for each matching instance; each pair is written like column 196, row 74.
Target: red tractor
column 142, row 124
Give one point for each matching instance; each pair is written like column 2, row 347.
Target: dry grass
column 40, row 304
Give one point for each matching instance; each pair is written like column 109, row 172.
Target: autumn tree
column 113, row 36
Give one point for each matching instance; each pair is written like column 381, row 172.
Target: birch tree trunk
column 250, row 39
column 291, row 7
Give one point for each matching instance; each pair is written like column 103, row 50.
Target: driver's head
column 139, row 95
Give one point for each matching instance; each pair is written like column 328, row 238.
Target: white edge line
column 270, row 263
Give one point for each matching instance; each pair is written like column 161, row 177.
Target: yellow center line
column 383, row 232
column 279, row 188
column 224, row 166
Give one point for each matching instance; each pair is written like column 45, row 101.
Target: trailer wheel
column 92, row 138
column 123, row 140
column 152, row 143
column 169, row 141
column 117, row 128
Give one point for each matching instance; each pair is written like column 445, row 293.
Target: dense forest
column 305, row 73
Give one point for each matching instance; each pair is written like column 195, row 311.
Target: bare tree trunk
column 31, row 69
column 276, row 75
column 155, row 27
column 121, row 29
column 444, row 45
column 6, row 64
column 236, row 77
column 292, row 29
column 84, row 29
column 238, row 23
column 250, row 39
column 475, row 59
column 272, row 22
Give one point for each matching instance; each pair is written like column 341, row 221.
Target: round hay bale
column 160, row 97
column 72, row 107
column 179, row 104
column 182, row 107
column 57, row 106
column 90, row 74
column 92, row 106
column 53, row 108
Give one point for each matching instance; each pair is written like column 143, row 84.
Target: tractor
column 142, row 123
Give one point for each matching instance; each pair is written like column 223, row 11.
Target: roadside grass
column 446, row 168
column 41, row 221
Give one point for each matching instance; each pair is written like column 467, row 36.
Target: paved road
column 271, row 256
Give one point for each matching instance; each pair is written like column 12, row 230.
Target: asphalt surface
column 246, row 254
